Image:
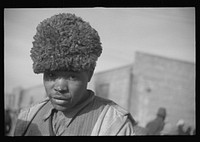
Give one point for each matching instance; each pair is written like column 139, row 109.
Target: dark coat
column 8, row 122
column 155, row 126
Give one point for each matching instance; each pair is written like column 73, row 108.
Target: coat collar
column 73, row 112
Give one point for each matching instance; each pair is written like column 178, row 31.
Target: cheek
column 77, row 87
column 48, row 87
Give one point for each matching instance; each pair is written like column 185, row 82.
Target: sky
column 167, row 32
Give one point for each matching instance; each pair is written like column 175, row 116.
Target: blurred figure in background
column 8, row 122
column 180, row 125
column 194, row 132
column 178, row 129
column 188, row 131
column 155, row 126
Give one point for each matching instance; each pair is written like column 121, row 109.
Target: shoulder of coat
column 118, row 109
column 34, row 105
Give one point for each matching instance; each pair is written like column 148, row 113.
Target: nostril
column 63, row 91
column 60, row 90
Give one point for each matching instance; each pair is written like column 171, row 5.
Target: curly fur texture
column 65, row 41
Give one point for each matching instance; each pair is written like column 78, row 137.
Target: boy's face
column 65, row 88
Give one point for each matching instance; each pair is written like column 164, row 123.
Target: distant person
column 189, row 130
column 65, row 50
column 194, row 132
column 8, row 122
column 155, row 126
column 180, row 127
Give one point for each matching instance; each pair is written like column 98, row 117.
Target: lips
column 60, row 100
column 59, row 96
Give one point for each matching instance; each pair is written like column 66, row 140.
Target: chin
column 60, row 108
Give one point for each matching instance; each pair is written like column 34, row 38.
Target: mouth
column 60, row 101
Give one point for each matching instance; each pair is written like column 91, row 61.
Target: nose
column 61, row 86
column 60, row 90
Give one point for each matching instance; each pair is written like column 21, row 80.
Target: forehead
column 64, row 72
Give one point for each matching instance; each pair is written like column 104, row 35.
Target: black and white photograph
column 100, row 71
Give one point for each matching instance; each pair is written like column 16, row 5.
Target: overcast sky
column 167, row 32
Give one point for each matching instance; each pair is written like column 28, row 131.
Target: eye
column 50, row 74
column 73, row 77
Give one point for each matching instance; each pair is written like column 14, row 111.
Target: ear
column 90, row 74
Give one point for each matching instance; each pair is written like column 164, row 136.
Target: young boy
column 65, row 49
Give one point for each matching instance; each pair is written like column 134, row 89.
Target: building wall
column 13, row 100
column 33, row 95
column 20, row 98
column 162, row 82
column 114, row 85
column 8, row 100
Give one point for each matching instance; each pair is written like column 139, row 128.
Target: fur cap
column 65, row 42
